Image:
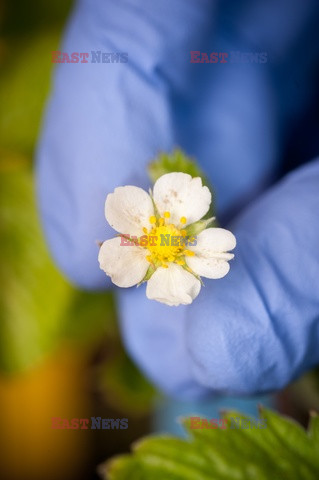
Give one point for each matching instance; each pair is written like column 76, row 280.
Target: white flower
column 172, row 270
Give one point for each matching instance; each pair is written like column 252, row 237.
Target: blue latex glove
column 254, row 330
column 257, row 328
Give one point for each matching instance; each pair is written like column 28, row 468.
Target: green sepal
column 196, row 228
column 151, row 269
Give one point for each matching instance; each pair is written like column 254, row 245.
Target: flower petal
column 210, row 259
column 128, row 210
column 126, row 265
column 173, row 286
column 182, row 196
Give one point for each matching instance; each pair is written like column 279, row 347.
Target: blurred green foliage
column 21, row 17
column 31, row 31
column 34, row 296
column 282, row 450
column 39, row 309
column 24, row 86
column 124, row 386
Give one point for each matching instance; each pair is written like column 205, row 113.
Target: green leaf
column 164, row 452
column 289, row 437
column 279, row 450
column 120, row 468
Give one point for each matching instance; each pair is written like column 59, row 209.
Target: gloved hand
column 106, row 121
column 257, row 328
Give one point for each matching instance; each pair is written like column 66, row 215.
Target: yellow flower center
column 166, row 242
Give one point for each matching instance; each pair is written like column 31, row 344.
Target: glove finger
column 105, row 121
column 257, row 329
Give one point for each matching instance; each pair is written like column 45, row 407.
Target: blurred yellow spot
column 28, row 401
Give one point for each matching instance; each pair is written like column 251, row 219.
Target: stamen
column 160, row 252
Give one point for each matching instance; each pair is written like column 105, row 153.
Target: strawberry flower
column 157, row 244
